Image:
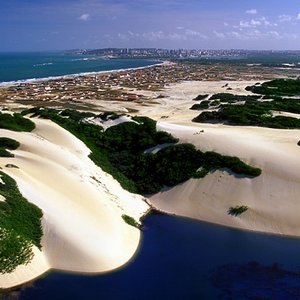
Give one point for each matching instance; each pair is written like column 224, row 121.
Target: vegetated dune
column 272, row 197
column 82, row 206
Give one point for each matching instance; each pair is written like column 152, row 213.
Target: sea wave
column 43, row 64
column 84, row 59
column 33, row 80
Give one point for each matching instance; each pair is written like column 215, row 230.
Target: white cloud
column 298, row 17
column 248, row 24
column 250, row 34
column 251, row 11
column 190, row 32
column 226, row 24
column 220, row 35
column 285, row 18
column 153, row 36
column 244, row 24
column 255, row 22
column 84, row 17
column 274, row 34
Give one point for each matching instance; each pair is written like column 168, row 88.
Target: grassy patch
column 201, row 97
column 7, row 143
column 20, row 226
column 202, row 105
column 277, row 87
column 255, row 114
column 15, row 122
column 130, row 221
column 237, row 210
column 231, row 98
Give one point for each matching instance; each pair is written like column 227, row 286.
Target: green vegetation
column 231, row 98
column 120, row 151
column 7, row 143
column 237, row 210
column 131, row 221
column 20, row 226
column 202, row 105
column 15, row 122
column 277, row 87
column 253, row 113
column 217, row 99
column 201, row 97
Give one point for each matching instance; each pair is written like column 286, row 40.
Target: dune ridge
column 82, row 205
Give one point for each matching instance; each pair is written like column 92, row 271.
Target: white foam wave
column 84, row 59
column 43, row 64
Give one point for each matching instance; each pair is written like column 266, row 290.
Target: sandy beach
column 82, row 205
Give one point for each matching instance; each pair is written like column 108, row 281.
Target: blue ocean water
column 180, row 259
column 24, row 66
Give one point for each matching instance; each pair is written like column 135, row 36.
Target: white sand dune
column 273, row 197
column 83, row 228
column 82, row 205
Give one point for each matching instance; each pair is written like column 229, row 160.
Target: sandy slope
column 82, row 205
column 273, row 197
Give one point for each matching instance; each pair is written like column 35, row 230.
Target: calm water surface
column 176, row 261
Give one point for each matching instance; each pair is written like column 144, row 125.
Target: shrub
column 5, row 153
column 201, row 97
column 9, row 143
column 20, row 226
column 131, row 221
column 15, row 122
column 237, row 210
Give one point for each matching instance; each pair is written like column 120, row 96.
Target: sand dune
column 82, row 205
column 83, row 228
column 273, row 197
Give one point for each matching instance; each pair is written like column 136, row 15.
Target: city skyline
column 224, row 24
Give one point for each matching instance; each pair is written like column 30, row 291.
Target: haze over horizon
column 28, row 25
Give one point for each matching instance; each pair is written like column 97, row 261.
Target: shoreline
column 5, row 84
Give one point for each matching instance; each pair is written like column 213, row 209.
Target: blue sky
column 27, row 25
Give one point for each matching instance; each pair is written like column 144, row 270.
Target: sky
column 38, row 25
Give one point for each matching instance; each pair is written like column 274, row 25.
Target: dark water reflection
column 179, row 259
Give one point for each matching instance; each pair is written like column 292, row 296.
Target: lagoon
column 181, row 258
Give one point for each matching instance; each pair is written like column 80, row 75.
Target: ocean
column 29, row 66
column 35, row 65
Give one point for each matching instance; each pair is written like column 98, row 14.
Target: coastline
column 5, row 84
